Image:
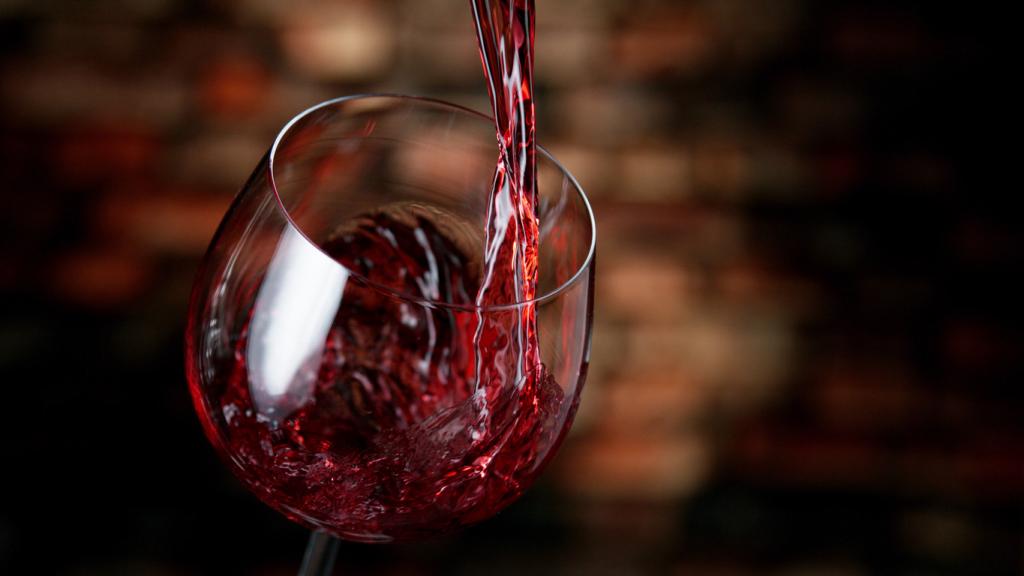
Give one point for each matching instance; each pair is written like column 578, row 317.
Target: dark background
column 807, row 347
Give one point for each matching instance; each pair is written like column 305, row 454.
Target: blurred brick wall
column 804, row 359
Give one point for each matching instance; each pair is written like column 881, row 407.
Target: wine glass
column 332, row 339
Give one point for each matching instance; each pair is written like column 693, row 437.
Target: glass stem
column 321, row 552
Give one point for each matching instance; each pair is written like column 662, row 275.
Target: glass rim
column 537, row 300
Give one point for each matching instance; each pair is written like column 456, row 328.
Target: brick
column 288, row 98
column 591, row 166
column 104, row 150
column 658, row 174
column 612, row 116
column 113, row 43
column 749, row 283
column 644, row 404
column 721, row 167
column 579, row 14
column 444, row 58
column 435, row 15
column 753, row 32
column 868, row 397
column 747, row 358
column 647, row 289
column 161, row 222
column 698, row 235
column 677, row 42
column 777, row 172
column 971, row 345
column 879, row 37
column 812, row 108
column 58, row 92
column 939, row 533
column 809, row 457
column 99, row 277
column 120, row 10
column 339, row 42
column 571, row 56
column 608, row 344
column 655, row 469
column 459, row 170
column 234, row 85
column 221, row 158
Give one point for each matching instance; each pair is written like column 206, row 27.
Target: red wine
column 396, row 440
